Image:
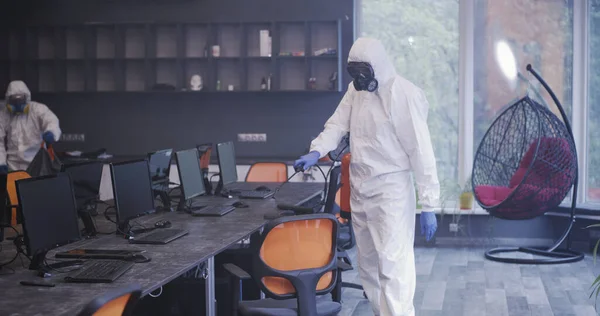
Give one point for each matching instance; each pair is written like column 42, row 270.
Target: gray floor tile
column 363, row 309
column 580, row 298
column 561, row 306
column 434, row 296
column 517, row 306
column 541, row 310
column 585, row 310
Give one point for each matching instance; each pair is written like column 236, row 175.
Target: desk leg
column 210, row 287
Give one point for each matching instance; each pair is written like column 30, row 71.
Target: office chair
column 11, row 187
column 115, row 303
column 339, row 189
column 294, row 261
column 267, row 172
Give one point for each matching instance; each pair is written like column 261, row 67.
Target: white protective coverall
column 389, row 137
column 21, row 133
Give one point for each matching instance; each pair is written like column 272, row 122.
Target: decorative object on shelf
column 333, row 80
column 312, row 83
column 325, row 52
column 218, row 85
column 230, row 87
column 263, row 84
column 269, row 80
column 291, row 54
column 265, row 41
column 196, row 83
column 216, row 51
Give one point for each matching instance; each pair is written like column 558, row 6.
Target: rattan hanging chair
column 525, row 166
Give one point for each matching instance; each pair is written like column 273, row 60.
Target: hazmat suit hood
column 18, row 87
column 370, row 50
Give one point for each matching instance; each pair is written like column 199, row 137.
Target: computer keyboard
column 212, row 210
column 254, row 194
column 160, row 236
column 100, row 271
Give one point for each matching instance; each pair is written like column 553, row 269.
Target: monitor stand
column 207, row 183
column 38, row 263
column 88, row 223
column 221, row 191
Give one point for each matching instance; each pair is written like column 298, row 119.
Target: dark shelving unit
column 161, row 57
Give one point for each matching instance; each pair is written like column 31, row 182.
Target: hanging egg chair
column 525, row 166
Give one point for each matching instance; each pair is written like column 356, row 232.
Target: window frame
column 580, row 95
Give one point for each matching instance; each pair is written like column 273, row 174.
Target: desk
column 208, row 236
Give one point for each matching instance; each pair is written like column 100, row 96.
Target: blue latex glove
column 3, row 169
column 48, row 137
column 428, row 224
column 308, row 160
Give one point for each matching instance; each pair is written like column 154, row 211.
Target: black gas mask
column 363, row 76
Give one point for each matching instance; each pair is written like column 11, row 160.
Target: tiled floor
column 460, row 281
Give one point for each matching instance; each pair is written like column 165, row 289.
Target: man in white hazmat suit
column 386, row 117
column 24, row 124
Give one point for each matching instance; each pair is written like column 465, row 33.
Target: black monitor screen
column 160, row 165
column 227, row 165
column 4, row 211
column 132, row 190
column 190, row 174
column 49, row 212
column 86, row 182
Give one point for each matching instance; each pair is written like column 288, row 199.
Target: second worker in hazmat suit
column 24, row 125
column 386, row 116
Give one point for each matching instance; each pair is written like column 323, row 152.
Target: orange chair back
column 11, row 188
column 267, row 172
column 205, row 158
column 118, row 303
column 301, row 244
column 345, row 209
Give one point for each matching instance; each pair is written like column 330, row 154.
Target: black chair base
column 552, row 257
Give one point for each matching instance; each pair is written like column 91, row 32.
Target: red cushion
column 492, row 195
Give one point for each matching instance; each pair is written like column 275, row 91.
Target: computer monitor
column 49, row 215
column 227, row 165
column 132, row 190
column 4, row 210
column 160, row 167
column 190, row 175
column 86, row 178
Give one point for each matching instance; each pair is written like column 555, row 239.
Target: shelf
column 133, row 57
column 325, row 57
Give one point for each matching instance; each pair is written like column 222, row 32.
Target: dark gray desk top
column 208, row 236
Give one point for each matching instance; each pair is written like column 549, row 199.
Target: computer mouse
column 262, row 188
column 240, row 205
column 162, row 224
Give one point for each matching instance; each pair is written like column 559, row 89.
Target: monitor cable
column 301, row 209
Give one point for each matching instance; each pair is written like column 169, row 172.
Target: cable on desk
column 156, row 295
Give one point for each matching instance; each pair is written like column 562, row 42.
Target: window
column 422, row 37
column 508, row 36
column 593, row 113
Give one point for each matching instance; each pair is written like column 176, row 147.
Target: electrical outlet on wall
column 72, row 138
column 453, row 228
column 255, row 138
